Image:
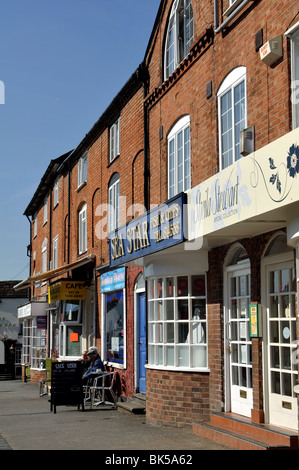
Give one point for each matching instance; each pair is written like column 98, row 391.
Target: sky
column 62, row 62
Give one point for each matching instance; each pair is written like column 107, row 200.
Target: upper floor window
column 82, row 170
column 45, row 209
column 232, row 115
column 56, row 192
column 114, row 140
column 179, row 35
column 55, row 253
column 83, row 229
column 179, row 168
column 34, row 220
column 113, row 201
column 293, row 35
column 45, row 255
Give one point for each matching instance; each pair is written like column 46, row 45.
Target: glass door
column 282, row 344
column 238, row 343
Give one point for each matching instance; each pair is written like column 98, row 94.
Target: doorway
column 140, row 335
column 280, row 361
column 238, row 345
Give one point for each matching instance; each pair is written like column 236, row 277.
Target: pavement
column 27, row 423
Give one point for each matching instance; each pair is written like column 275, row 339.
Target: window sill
column 205, row 370
column 232, row 8
column 114, row 160
column 81, row 186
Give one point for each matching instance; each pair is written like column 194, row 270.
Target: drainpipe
column 30, row 255
column 231, row 16
column 68, row 215
column 142, row 70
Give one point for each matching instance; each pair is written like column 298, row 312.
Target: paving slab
column 27, row 423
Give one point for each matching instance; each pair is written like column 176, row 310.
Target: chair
column 44, row 384
column 102, row 384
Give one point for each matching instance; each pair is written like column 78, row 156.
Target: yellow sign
column 67, row 290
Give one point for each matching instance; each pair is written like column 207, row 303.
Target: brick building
column 203, row 144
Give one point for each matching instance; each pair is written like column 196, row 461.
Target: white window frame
column 64, row 327
column 82, row 170
column 179, row 157
column 55, row 253
column 293, row 35
column 56, row 192
column 45, row 210
column 230, row 83
column 173, row 37
column 82, row 245
column 160, row 324
column 114, row 140
column 113, row 203
column 34, row 220
column 45, row 255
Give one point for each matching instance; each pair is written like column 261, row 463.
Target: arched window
column 179, row 173
column 179, row 35
column 232, row 115
column 113, row 201
column 83, row 229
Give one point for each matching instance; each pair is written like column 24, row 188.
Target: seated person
column 95, row 363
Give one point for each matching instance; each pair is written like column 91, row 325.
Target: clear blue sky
column 62, row 62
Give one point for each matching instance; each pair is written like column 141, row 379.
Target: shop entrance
column 238, row 346
column 281, row 343
column 142, row 341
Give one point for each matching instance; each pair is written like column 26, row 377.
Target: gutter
column 219, row 28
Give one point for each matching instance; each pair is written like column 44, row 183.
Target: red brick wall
column 176, row 398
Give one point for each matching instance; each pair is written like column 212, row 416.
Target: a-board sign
column 66, row 384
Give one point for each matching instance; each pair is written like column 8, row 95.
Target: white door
column 238, row 343
column 281, row 344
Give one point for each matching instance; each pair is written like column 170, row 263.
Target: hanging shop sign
column 158, row 229
column 264, row 181
column 67, row 290
column 113, row 280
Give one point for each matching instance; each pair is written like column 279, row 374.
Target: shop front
column 247, row 218
column 70, row 319
column 33, row 317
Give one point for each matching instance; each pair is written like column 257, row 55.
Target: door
column 281, row 344
column 141, row 301
column 238, row 343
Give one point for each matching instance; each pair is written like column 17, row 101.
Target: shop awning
column 47, row 275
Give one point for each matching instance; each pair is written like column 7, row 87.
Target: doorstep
column 240, row 433
column 135, row 405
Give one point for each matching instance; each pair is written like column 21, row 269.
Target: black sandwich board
column 66, row 384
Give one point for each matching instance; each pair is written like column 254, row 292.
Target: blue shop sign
column 113, row 280
column 158, row 229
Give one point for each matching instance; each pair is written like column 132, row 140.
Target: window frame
column 114, row 140
column 173, row 35
column 82, row 170
column 160, row 325
column 55, row 253
column 293, row 36
column 113, row 203
column 45, row 210
column 56, row 192
column 82, row 229
column 230, row 83
column 173, row 167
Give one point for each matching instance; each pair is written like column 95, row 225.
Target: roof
column 7, row 291
column 133, row 84
column 45, row 184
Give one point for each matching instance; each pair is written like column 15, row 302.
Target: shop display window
column 177, row 322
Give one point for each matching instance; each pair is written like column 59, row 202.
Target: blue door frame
column 141, row 302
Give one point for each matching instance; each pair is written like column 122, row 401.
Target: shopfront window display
column 70, row 328
column 177, row 322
